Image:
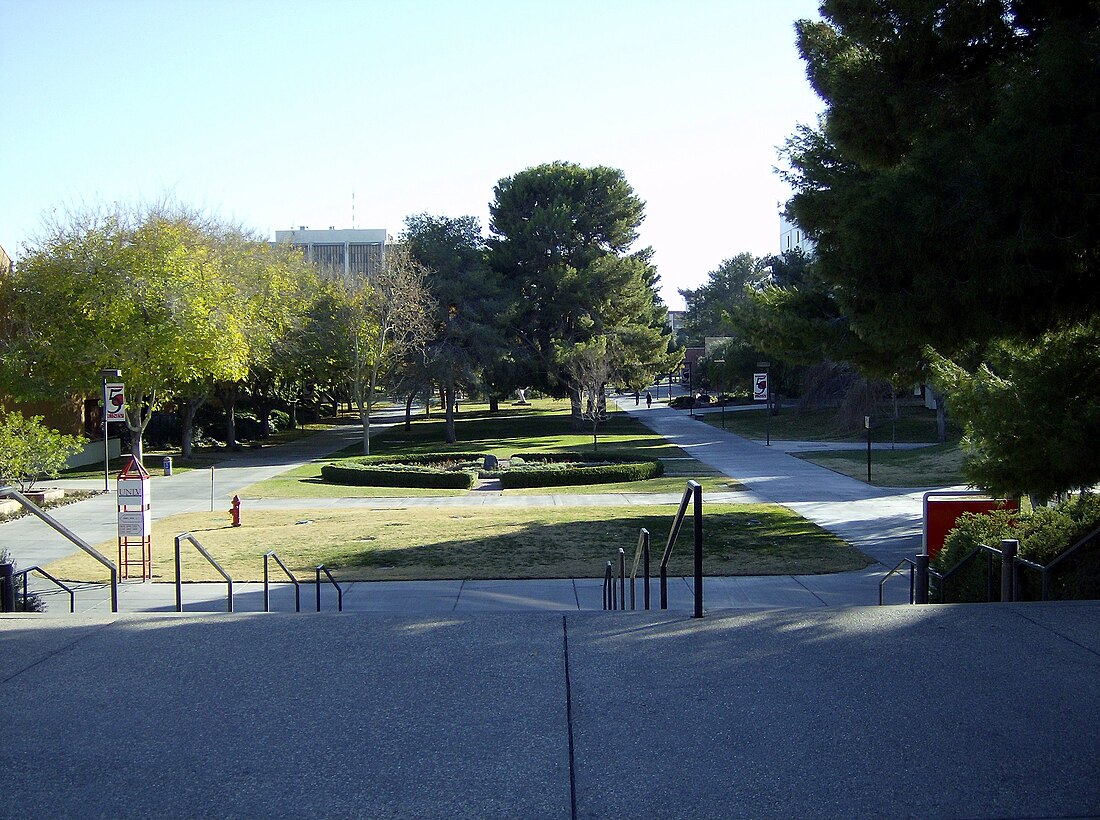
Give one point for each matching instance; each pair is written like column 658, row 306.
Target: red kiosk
column 942, row 508
column 134, row 525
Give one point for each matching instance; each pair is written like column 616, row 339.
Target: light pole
column 766, row 367
column 107, row 374
column 720, row 399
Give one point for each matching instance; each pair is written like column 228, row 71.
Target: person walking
column 648, row 400
column 637, row 398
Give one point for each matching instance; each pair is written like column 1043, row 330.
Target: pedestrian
column 637, row 398
column 648, row 400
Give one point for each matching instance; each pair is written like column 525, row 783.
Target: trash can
column 168, row 465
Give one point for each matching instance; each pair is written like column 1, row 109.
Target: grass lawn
column 201, row 457
column 475, row 542
column 541, row 427
column 937, row 466
column 916, row 424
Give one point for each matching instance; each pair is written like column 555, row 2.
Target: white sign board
column 133, row 523
column 760, row 386
column 114, row 402
column 133, row 492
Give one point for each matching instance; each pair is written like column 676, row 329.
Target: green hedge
column 560, row 469
column 436, row 471
column 1043, row 535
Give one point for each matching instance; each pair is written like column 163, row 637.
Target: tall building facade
column 344, row 252
column 792, row 237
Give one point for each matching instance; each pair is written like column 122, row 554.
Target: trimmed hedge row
column 426, row 471
column 615, row 468
column 442, row 470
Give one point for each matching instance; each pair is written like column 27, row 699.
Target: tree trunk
column 941, row 416
column 137, row 419
column 264, row 404
column 409, row 411
column 449, row 414
column 494, row 404
column 576, row 419
column 187, row 423
column 228, row 395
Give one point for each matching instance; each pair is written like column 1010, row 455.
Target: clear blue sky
column 273, row 113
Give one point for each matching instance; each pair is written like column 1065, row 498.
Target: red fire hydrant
column 235, row 511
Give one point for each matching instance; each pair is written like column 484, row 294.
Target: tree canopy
column 950, row 189
column 561, row 243
column 951, row 186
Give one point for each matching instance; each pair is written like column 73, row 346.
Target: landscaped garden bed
column 461, row 470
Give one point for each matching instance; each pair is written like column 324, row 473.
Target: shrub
column 454, row 471
column 29, row 450
column 1043, row 535
column 562, row 469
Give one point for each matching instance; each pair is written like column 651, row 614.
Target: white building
column 792, row 237
column 346, row 251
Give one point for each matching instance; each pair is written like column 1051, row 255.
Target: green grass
column 937, row 466
column 542, row 427
column 479, row 542
column 916, row 424
column 201, row 457
column 539, row 428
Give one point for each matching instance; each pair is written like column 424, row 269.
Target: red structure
column 235, row 511
column 942, row 509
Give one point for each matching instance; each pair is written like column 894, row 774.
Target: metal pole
column 7, row 588
column 622, row 578
column 768, row 410
column 868, row 449
column 211, row 488
column 645, row 567
column 921, row 593
column 698, row 493
column 1009, row 548
column 106, row 447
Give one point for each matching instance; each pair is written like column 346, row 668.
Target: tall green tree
column 383, row 316
column 143, row 290
column 465, row 332
column 950, row 186
column 561, row 239
column 726, row 287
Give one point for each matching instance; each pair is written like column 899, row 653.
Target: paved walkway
column 977, row 711
column 883, row 523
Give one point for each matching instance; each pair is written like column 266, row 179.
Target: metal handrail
column 894, row 571
column 339, row 592
column 693, row 491
column 40, row 571
column 622, row 578
column 1045, row 571
column 186, row 536
column 11, row 492
column 608, row 587
column 289, row 574
column 1008, row 586
column 642, row 550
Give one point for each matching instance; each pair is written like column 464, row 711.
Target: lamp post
column 107, row 374
column 720, row 399
column 766, row 367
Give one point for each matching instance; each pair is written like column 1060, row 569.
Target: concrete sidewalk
column 978, row 711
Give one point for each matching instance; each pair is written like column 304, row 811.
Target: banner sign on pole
column 114, row 402
column 760, row 387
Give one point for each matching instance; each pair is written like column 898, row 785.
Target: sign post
column 112, row 393
column 867, row 424
column 134, row 524
column 761, row 391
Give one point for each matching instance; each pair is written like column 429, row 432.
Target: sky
column 358, row 114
